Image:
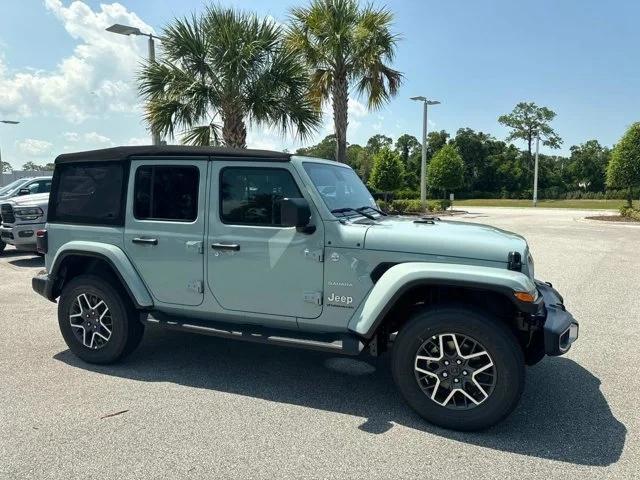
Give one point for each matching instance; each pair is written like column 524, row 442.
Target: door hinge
column 195, row 286
column 313, row 297
column 195, row 246
column 317, row 255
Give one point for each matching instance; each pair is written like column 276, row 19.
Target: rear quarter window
column 91, row 193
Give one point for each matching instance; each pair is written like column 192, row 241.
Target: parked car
column 22, row 217
column 243, row 244
column 26, row 186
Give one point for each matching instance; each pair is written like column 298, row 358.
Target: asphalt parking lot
column 186, row 406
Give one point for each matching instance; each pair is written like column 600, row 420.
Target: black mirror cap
column 294, row 212
column 24, row 191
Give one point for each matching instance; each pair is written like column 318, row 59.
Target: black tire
column 126, row 328
column 498, row 341
column 2, row 247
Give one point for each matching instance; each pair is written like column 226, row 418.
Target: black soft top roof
column 123, row 153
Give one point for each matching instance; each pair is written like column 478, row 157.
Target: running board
column 344, row 344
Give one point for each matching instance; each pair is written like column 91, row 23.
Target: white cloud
column 95, row 137
column 96, row 79
column 139, row 141
column 71, row 136
column 34, row 147
column 357, row 109
column 89, row 138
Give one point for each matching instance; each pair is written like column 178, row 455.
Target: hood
column 444, row 238
column 34, row 200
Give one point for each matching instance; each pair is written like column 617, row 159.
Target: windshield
column 339, row 187
column 12, row 186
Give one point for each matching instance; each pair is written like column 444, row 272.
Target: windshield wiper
column 349, row 209
column 372, row 208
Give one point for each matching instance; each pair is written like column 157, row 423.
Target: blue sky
column 72, row 85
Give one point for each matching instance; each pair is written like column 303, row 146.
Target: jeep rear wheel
column 2, row 246
column 458, row 368
column 97, row 320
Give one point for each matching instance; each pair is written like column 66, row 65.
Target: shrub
column 406, row 194
column 407, row 206
column 630, row 212
column 438, row 205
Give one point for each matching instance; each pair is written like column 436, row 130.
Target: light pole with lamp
column 7, row 122
column 423, row 164
column 128, row 30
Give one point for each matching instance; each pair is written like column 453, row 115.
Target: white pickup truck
column 22, row 217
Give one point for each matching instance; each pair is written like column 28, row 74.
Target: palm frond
column 203, row 135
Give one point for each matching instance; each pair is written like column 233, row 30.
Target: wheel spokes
column 90, row 320
column 455, row 371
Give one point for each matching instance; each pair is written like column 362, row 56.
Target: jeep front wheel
column 458, row 368
column 97, row 320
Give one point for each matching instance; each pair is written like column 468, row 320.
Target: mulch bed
column 614, row 218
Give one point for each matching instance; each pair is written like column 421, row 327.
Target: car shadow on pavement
column 32, row 262
column 562, row 416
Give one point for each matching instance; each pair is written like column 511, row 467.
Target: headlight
column 28, row 213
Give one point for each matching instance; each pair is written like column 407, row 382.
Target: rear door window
column 166, row 193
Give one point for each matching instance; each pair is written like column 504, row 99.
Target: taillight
column 42, row 244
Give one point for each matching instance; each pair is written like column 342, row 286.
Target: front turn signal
column 524, row 297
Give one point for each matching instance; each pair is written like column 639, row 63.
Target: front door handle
column 225, row 246
column 145, row 241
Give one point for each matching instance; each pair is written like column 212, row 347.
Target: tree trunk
column 630, row 198
column 234, row 131
column 340, row 112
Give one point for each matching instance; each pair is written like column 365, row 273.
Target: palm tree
column 220, row 71
column 343, row 43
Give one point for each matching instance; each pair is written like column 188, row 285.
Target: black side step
column 344, row 344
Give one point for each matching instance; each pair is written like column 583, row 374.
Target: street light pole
column 128, row 30
column 7, row 122
column 423, row 163
column 535, row 172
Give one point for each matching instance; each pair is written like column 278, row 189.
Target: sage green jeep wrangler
column 287, row 250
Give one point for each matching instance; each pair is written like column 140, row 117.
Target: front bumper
column 560, row 329
column 23, row 237
column 43, row 285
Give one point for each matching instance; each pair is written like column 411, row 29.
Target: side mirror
column 24, row 191
column 295, row 212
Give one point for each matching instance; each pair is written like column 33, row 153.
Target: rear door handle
column 145, row 241
column 225, row 246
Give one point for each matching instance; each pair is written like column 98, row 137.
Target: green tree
column 435, row 141
column 378, row 142
column 446, row 170
column 474, row 148
column 410, row 151
column 222, row 70
column 624, row 168
column 587, row 166
column 344, row 43
column 365, row 164
column 388, row 171
column 325, row 149
column 353, row 150
column 6, row 167
column 31, row 167
column 527, row 120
